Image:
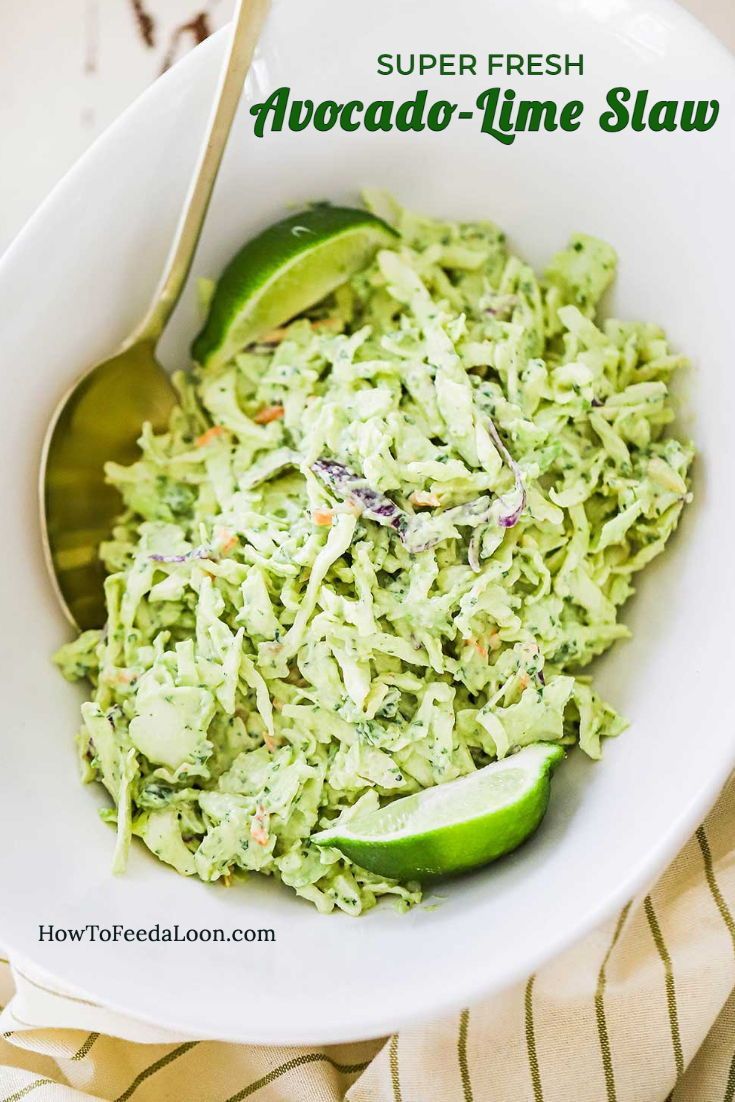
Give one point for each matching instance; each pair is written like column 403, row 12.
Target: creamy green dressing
column 288, row 644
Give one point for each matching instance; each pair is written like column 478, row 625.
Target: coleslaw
column 374, row 552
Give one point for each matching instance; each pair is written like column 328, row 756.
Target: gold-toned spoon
column 100, row 418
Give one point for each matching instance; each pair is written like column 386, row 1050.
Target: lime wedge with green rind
column 286, row 269
column 454, row 826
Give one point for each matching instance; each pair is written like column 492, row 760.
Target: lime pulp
column 455, row 826
column 285, row 270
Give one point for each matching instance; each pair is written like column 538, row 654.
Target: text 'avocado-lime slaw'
column 373, row 552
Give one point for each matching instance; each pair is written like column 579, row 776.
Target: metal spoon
column 100, row 418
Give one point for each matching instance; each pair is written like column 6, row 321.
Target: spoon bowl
column 97, row 421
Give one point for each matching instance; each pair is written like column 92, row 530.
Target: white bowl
column 79, row 276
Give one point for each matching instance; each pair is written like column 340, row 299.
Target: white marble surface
column 69, row 67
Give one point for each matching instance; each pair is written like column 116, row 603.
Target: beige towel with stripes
column 643, row 1010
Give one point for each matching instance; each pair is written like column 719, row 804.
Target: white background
column 69, row 67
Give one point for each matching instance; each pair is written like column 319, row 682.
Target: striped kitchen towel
column 643, row 1010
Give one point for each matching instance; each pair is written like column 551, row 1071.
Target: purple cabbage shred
column 374, row 505
column 351, row 487
column 196, row 553
column 512, row 513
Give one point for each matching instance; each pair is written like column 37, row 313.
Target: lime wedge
column 286, row 269
column 455, row 826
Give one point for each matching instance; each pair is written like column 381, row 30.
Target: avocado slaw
column 373, row 553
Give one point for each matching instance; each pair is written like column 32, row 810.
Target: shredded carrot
column 259, row 826
column 333, row 325
column 226, row 540
column 323, row 517
column 268, row 414
column 123, row 677
column 274, row 337
column 270, row 742
column 523, row 680
column 423, row 497
column 210, row 435
column 481, row 650
column 494, row 641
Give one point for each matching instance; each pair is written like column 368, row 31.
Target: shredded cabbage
column 374, row 555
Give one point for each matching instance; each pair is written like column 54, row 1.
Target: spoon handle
column 248, row 20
